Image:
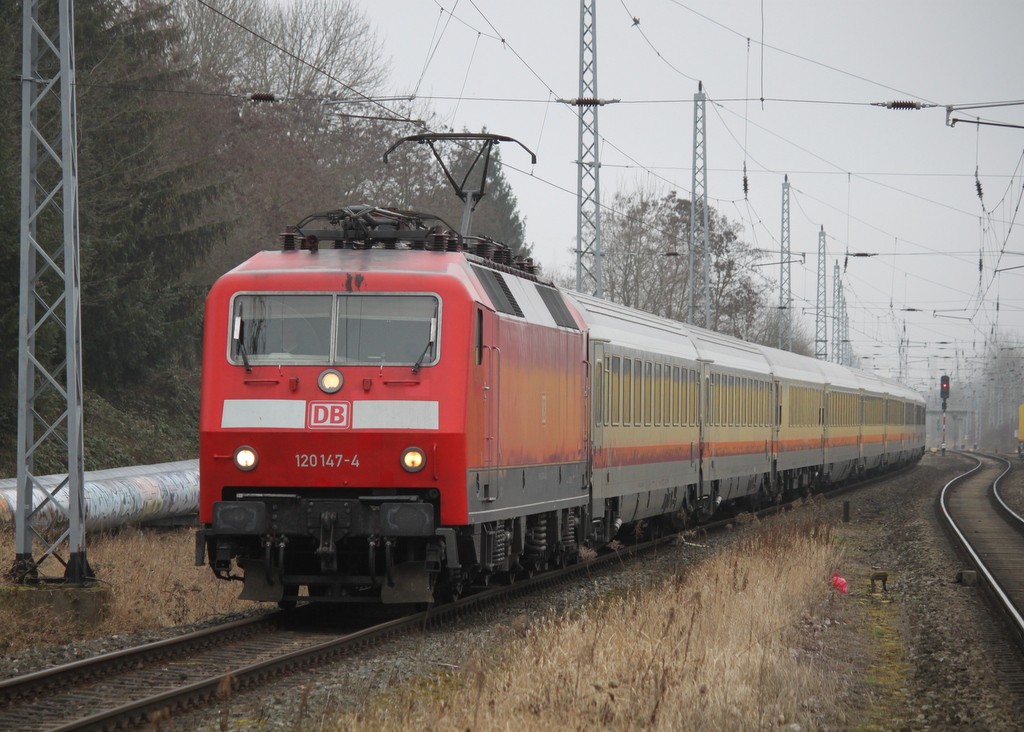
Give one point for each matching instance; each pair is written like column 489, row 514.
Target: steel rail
column 994, row 587
column 33, row 684
column 143, row 711
column 164, row 704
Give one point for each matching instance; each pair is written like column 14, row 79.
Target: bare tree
column 646, row 264
column 329, row 48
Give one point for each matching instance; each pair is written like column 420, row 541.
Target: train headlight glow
column 330, row 381
column 413, row 459
column 246, row 458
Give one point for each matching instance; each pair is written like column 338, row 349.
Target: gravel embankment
column 924, row 656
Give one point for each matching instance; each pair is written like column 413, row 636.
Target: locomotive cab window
column 280, row 328
column 388, row 330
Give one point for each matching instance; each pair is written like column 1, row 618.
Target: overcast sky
column 898, row 184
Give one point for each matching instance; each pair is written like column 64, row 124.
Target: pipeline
column 114, row 497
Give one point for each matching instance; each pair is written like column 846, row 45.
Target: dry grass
column 153, row 580
column 706, row 650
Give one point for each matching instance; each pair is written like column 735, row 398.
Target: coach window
column 648, row 391
column 721, row 417
column 723, row 402
column 598, row 398
column 615, row 395
column 656, row 393
column 731, row 417
column 606, row 396
column 681, row 396
column 637, row 391
column 712, row 396
column 737, row 401
column 692, row 397
column 666, row 381
column 672, row 413
column 627, row 391
column 719, row 400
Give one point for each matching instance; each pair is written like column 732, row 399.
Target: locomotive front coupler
column 373, row 542
column 271, row 542
column 327, row 551
column 389, row 564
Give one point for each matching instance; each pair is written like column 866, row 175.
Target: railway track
column 135, row 686
column 990, row 536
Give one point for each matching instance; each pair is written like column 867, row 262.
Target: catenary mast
column 49, row 380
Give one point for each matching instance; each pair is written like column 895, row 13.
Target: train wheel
column 451, row 590
column 288, row 605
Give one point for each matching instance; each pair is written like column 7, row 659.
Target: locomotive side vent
column 556, row 306
column 497, row 289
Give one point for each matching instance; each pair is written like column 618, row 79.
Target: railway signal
column 944, row 394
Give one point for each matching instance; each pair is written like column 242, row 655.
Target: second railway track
column 989, row 535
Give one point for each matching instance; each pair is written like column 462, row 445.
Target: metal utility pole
column 847, row 348
column 699, row 206
column 785, row 286
column 588, row 187
column 821, row 306
column 837, row 329
column 903, row 354
column 50, row 379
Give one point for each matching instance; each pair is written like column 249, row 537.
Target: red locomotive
column 368, row 413
column 410, row 411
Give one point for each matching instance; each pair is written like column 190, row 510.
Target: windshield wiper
column 241, row 344
column 430, row 342
column 419, row 361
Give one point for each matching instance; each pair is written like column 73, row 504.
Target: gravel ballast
column 925, row 655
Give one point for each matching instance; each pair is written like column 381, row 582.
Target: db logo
column 328, row 415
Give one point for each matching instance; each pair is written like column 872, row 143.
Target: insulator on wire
column 903, row 105
column 261, row 97
column 977, row 184
column 746, row 185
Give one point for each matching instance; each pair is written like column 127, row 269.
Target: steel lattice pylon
column 821, row 306
column 588, row 188
column 785, row 286
column 699, row 207
column 50, row 376
column 837, row 328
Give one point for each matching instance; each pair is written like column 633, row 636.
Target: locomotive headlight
column 413, row 459
column 246, row 458
column 330, row 381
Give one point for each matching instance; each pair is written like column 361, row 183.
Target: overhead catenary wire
column 752, row 219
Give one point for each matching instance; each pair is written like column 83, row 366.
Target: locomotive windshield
column 389, row 330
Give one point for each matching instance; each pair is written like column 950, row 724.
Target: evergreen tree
column 138, row 204
column 10, row 207
column 141, row 195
